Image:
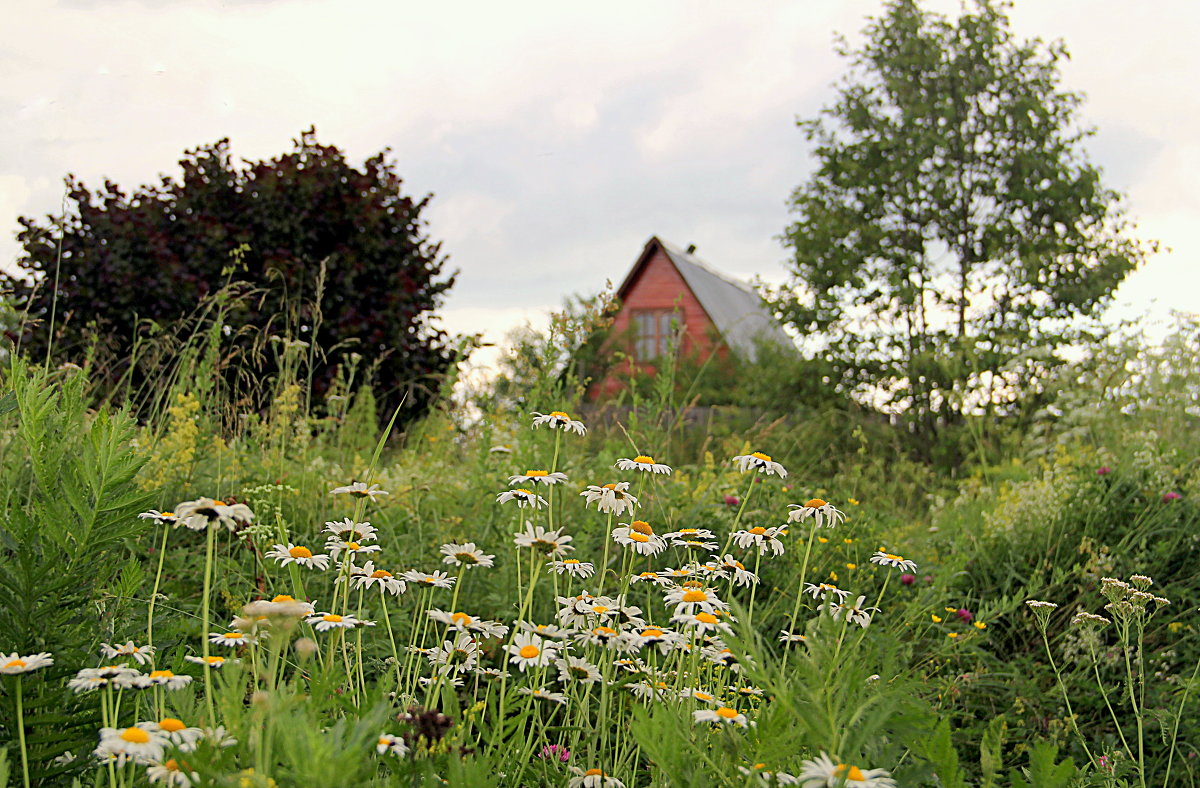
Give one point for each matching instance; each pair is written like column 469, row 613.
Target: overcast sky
column 556, row 137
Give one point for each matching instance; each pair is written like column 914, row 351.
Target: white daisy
column 171, row 773
column 211, row 661
column 530, row 650
column 557, row 420
column 219, row 737
column 592, row 778
column 279, row 606
column 335, row 547
column 643, row 463
column 130, row 744
column 232, row 639
column 759, row 462
column 573, row 567
column 299, row 555
column 367, row 576
column 359, row 490
column 545, row 695
column 652, row 577
column 548, row 631
column 727, row 566
column 323, row 622
column 855, row 613
column 465, row 555
column 538, row 477
column 523, row 498
column 640, row 536
column 821, row 511
column 611, row 498
column 142, row 654
column 577, row 669
column 765, row 539
column 160, row 518
column 690, row 533
column 14, row 664
column 823, row 590
column 694, row 544
column 553, row 544
column 893, row 560
column 822, row 772
column 168, row 679
column 459, row 656
column 176, row 731
column 691, row 598
column 436, row 579
column 393, row 745
column 206, row 512
column 702, row 622
column 349, row 531
column 722, row 715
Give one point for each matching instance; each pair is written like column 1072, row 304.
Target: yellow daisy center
column 352, row 545
column 171, row 765
column 758, row 530
column 537, row 473
column 378, row 573
column 299, row 551
column 460, row 618
column 727, row 712
column 233, row 635
column 16, row 663
column 758, row 455
column 529, row 652
column 599, row 609
column 558, row 414
column 219, row 503
column 692, row 584
column 571, row 561
column 384, row 742
column 521, row 491
column 894, row 557
column 849, row 772
column 648, row 575
column 334, row 617
column 135, row 736
column 610, row 486
column 604, row 631
column 283, row 598
column 643, row 459
column 171, row 724
column 651, row 632
column 161, row 674
column 215, row 660
column 815, row 503
column 702, row 695
column 706, row 618
column 639, row 537
column 641, row 526
column 694, row 596
column 593, row 773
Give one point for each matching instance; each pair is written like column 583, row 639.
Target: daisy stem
column 204, row 614
column 358, row 661
column 604, row 562
column 21, row 733
column 162, row 551
column 387, row 622
column 753, row 589
column 812, row 532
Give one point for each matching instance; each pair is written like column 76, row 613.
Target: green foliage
column 953, row 235
column 305, row 242
column 1044, row 770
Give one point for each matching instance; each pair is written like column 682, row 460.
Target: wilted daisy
column 323, row 622
column 231, row 639
column 722, row 715
column 299, row 555
column 592, row 778
column 757, row 461
column 823, row 590
column 142, row 654
column 544, row 695
column 891, row 559
column 538, row 477
column 822, row 772
column 765, row 539
column 553, row 544
column 523, row 498
column 130, row 744
column 577, row 669
column 367, row 576
column 855, row 613
column 171, row 772
column 640, row 536
column 359, row 490
column 530, row 650
column 820, row 510
column 435, row 579
column 557, row 420
column 206, row 512
column 611, row 498
column 349, row 531
column 392, row 745
column 573, row 567
column 160, row 518
column 168, row 679
column 465, row 555
column 14, row 664
column 643, row 463
column 210, row 661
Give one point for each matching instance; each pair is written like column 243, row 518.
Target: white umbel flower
column 762, row 463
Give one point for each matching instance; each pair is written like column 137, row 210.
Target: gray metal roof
column 739, row 313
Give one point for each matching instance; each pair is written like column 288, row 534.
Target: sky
column 557, row 137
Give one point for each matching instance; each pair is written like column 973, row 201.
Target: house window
column 653, row 332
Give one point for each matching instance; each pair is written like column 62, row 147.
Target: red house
column 671, row 299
